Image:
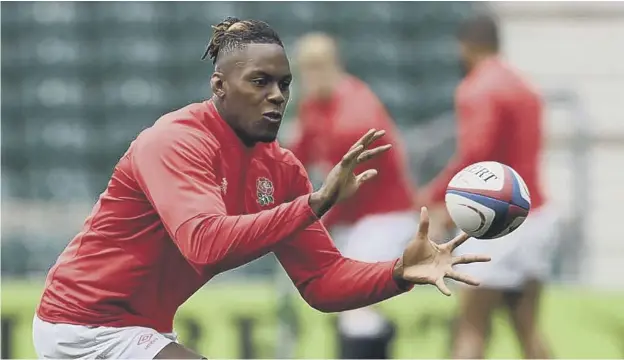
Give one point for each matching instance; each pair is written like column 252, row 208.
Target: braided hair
column 233, row 33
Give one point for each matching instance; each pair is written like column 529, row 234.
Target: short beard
column 250, row 142
column 267, row 138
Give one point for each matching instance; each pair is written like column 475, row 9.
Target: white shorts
column 373, row 238
column 525, row 254
column 66, row 341
column 377, row 237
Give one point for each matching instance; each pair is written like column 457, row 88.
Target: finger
column 352, row 155
column 371, row 137
column 372, row 153
column 441, row 285
column 378, row 134
column 469, row 259
column 466, row 279
column 364, row 138
column 423, row 227
column 458, row 240
column 365, row 176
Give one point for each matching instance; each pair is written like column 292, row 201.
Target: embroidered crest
column 264, row 191
column 223, row 186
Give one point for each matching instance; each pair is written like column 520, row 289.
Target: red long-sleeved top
column 499, row 118
column 186, row 202
column 328, row 128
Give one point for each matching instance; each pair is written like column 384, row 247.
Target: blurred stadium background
column 81, row 79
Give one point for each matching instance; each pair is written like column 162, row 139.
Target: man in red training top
column 378, row 221
column 500, row 119
column 204, row 190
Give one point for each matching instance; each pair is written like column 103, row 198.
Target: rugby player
column 207, row 189
column 380, row 219
column 499, row 117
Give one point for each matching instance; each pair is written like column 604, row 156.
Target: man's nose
column 276, row 96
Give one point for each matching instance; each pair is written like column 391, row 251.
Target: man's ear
column 217, row 84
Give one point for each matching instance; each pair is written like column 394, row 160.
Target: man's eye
column 259, row 82
column 285, row 85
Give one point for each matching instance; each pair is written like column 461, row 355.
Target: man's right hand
column 341, row 183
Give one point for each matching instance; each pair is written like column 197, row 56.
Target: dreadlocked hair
column 233, row 33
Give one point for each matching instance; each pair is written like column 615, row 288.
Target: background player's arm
column 478, row 128
column 328, row 281
column 175, row 170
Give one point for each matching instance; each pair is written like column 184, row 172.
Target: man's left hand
column 425, row 262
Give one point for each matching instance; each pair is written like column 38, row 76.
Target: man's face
column 318, row 77
column 256, row 89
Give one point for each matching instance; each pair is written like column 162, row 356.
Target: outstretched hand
column 425, row 262
column 341, row 183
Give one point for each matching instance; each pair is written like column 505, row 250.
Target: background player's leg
column 366, row 333
column 539, row 236
column 177, row 351
column 524, row 311
column 473, row 324
column 363, row 333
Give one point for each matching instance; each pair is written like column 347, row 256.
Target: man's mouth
column 273, row 116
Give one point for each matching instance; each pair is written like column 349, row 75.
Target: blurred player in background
column 377, row 222
column 499, row 118
column 207, row 189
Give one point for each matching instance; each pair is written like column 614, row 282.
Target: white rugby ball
column 488, row 200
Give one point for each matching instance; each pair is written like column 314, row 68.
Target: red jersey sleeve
column 478, row 127
column 326, row 280
column 174, row 168
column 332, row 217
